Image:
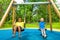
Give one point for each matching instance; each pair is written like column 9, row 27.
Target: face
column 42, row 19
column 19, row 19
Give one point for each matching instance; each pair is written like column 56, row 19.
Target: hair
column 39, row 19
column 18, row 18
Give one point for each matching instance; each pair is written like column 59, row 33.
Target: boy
column 18, row 26
column 42, row 27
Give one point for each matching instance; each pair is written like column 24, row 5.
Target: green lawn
column 35, row 25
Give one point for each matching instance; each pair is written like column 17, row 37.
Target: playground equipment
column 29, row 34
column 55, row 8
column 49, row 11
column 32, row 3
column 6, row 13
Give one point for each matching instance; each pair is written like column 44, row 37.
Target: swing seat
column 40, row 29
column 20, row 27
column 17, row 29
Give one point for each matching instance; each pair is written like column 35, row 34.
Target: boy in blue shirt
column 42, row 27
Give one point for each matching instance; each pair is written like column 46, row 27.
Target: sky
column 57, row 1
column 19, row 1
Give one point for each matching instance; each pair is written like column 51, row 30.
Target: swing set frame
column 42, row 3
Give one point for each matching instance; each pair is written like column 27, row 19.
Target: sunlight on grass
column 35, row 25
column 54, row 25
column 32, row 25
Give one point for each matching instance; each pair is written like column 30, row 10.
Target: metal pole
column 32, row 3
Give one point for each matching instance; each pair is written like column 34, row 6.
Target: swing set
column 12, row 4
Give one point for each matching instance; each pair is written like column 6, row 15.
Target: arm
column 24, row 23
column 24, row 20
column 44, row 23
column 39, row 25
column 14, row 23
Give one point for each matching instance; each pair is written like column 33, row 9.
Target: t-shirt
column 21, row 24
column 42, row 25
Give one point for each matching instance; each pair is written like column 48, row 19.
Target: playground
column 31, row 28
column 29, row 34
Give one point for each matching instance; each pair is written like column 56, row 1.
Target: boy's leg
column 44, row 32
column 19, row 30
column 14, row 32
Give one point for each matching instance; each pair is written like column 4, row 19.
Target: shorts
column 20, row 28
column 17, row 29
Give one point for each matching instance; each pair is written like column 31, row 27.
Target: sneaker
column 45, row 36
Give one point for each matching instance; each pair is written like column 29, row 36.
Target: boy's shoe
column 45, row 36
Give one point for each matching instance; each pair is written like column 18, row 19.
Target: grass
column 54, row 25
column 35, row 25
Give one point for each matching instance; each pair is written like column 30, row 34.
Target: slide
column 6, row 13
column 55, row 8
